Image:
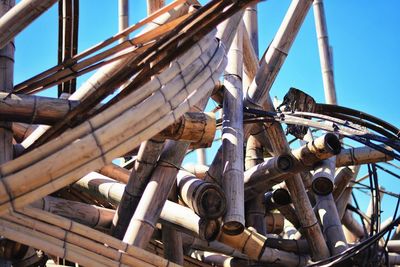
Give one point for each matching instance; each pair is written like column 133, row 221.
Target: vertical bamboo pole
column 153, row 5
column 123, row 17
column 324, row 52
column 201, row 156
column 6, row 134
column 232, row 139
column 254, row 208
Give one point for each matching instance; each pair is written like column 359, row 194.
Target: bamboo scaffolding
column 123, row 18
column 359, row 156
column 204, row 198
column 113, row 145
column 352, row 225
column 68, row 228
column 172, row 214
column 20, row 16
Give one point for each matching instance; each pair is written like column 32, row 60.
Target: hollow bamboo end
column 285, row 163
column 322, row 186
column 209, row 229
column 233, row 228
column 332, row 143
column 211, row 202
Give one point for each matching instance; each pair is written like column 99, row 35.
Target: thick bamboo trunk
column 342, row 180
column 90, row 215
column 20, row 17
column 204, row 198
column 34, row 109
column 274, row 222
column 277, row 198
column 200, row 171
column 232, row 139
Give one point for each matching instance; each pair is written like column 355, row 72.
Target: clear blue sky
column 365, row 36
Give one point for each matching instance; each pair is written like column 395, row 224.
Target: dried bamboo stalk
column 197, row 170
column 274, row 222
column 232, row 139
column 352, row 225
column 123, row 17
column 359, row 156
column 89, row 215
column 204, row 198
column 277, row 198
column 34, row 109
column 94, row 235
column 323, row 177
column 20, row 16
column 324, row 52
column 114, row 146
column 342, row 180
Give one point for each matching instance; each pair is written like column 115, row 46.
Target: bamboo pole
column 20, row 17
column 197, row 170
column 232, row 139
column 359, row 156
column 324, row 52
column 276, row 198
column 123, row 17
column 90, row 215
column 354, row 227
column 34, row 109
column 204, row 198
column 274, row 222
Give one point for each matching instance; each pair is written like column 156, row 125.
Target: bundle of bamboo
column 261, row 202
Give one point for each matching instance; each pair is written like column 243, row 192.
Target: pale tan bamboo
column 86, row 214
column 371, row 208
column 115, row 172
column 20, row 16
column 204, row 198
column 113, row 146
column 123, row 17
column 174, row 215
column 324, row 52
column 359, row 156
column 253, row 245
column 107, row 72
column 396, row 234
column 274, row 222
column 323, row 177
column 197, row 170
column 342, row 180
column 154, row 5
column 232, row 139
column 97, row 236
column 34, row 109
column 393, row 246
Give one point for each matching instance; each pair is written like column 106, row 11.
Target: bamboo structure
column 103, row 175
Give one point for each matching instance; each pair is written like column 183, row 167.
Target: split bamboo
column 204, row 198
column 232, row 139
column 20, row 16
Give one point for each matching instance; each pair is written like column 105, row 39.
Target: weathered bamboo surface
column 102, row 173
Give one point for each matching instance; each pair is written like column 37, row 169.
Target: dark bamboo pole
column 9, row 248
column 232, row 139
column 65, row 39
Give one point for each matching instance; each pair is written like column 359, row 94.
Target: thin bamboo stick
column 232, row 139
column 20, row 16
column 204, row 198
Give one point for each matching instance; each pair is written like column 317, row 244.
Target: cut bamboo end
column 275, row 222
column 205, row 198
column 323, row 178
column 277, row 198
column 322, row 185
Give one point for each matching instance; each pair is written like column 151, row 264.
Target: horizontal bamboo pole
column 177, row 216
column 359, row 156
column 20, row 16
column 34, row 109
column 204, row 198
column 89, row 215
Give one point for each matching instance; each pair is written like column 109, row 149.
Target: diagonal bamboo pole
column 20, row 17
